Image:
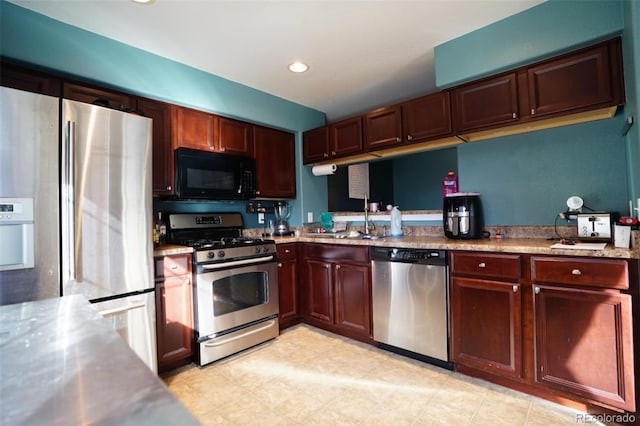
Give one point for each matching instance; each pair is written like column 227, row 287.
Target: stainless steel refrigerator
column 87, row 171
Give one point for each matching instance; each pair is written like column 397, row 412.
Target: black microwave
column 214, row 176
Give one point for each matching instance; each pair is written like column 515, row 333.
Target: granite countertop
column 61, row 363
column 509, row 245
column 171, row 249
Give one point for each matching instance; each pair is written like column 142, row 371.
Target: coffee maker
column 282, row 212
column 462, row 216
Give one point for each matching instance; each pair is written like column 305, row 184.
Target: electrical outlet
column 309, row 217
column 260, row 218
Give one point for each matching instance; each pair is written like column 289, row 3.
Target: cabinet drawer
column 486, row 264
column 340, row 253
column 607, row 273
column 170, row 266
column 286, row 252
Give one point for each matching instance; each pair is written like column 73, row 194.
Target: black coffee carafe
column 462, row 216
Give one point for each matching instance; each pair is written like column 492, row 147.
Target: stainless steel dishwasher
column 410, row 301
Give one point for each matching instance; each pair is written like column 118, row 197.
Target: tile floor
column 310, row 377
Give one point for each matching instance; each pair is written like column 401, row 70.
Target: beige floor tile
column 309, row 376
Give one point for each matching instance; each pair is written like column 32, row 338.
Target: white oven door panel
column 234, row 297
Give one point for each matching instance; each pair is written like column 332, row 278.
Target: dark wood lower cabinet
column 486, row 325
column 583, row 344
column 174, row 311
column 337, row 289
column 288, row 294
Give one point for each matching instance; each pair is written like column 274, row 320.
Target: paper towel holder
column 324, row 170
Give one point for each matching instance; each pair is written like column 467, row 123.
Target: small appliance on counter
column 282, row 212
column 595, row 226
column 462, row 216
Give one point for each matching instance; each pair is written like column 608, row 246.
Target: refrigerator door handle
column 69, row 204
column 129, row 307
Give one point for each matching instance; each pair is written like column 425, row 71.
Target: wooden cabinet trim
column 576, row 271
column 496, row 265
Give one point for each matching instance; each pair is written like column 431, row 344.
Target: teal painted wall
column 550, row 28
column 417, row 178
column 526, row 179
column 38, row 40
column 631, row 52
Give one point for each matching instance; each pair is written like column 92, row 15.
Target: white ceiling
column 361, row 54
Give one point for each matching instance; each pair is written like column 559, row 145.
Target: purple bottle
column 449, row 184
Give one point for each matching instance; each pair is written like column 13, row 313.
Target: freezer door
column 106, row 201
column 29, row 135
column 134, row 318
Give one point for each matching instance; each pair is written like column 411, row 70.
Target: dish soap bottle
column 396, row 222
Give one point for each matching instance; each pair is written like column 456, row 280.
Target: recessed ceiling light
column 298, row 67
column 143, row 1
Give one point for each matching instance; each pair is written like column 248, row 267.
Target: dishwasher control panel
column 426, row 256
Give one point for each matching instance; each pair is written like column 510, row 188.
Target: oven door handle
column 238, row 262
column 242, row 336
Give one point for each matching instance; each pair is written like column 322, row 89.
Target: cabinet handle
column 223, row 149
column 173, row 267
column 482, row 265
column 325, row 155
column 533, row 111
column 325, row 266
column 576, row 272
column 398, row 139
column 279, row 265
column 333, row 153
column 337, row 266
column 515, row 115
column 515, row 288
column 169, row 188
column 536, row 290
column 257, row 192
column 409, row 137
column 287, row 251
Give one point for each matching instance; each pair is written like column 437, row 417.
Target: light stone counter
column 171, row 249
column 508, row 245
column 61, row 363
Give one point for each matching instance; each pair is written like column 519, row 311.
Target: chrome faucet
column 366, row 214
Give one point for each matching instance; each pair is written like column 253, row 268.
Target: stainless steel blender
column 282, row 212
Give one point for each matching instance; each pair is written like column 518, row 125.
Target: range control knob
column 211, row 255
column 265, row 249
column 221, row 253
column 257, row 250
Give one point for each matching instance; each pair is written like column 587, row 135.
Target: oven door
column 229, row 295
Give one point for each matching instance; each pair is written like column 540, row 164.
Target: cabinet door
column 345, row 137
column 163, row 171
column 275, row 163
column 427, row 118
column 486, row 325
column 573, row 82
column 235, row 137
column 353, row 297
column 174, row 319
column 96, row 96
column 315, row 145
column 29, row 81
column 288, row 290
column 487, row 103
column 319, row 304
column 193, row 129
column 583, row 344
column 382, row 128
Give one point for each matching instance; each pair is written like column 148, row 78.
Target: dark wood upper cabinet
column 489, row 102
column 576, row 82
column 382, row 128
column 193, row 129
column 163, row 173
column 315, row 145
column 235, row 137
column 345, row 137
column 98, row 96
column 274, row 152
column 427, row 117
column 29, row 81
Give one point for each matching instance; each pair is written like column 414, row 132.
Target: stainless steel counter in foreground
column 61, row 363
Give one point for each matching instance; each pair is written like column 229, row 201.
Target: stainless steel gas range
column 235, row 283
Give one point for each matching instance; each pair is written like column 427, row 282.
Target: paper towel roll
column 327, row 169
